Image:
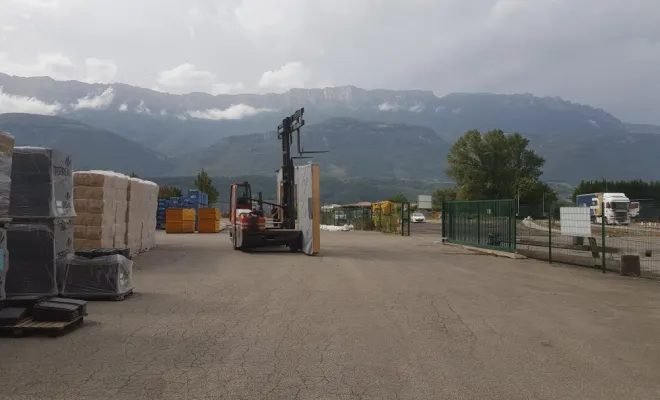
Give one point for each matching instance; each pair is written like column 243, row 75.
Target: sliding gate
column 482, row 223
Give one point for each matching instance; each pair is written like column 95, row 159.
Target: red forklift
column 248, row 228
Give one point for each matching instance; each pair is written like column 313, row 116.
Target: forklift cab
column 240, row 198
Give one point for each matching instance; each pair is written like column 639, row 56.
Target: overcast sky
column 602, row 52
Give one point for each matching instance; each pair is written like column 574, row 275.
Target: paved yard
column 375, row 317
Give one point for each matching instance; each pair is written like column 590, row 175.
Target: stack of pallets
column 209, row 220
column 180, row 220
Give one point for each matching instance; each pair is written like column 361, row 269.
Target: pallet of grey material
column 13, row 315
column 50, row 311
column 107, row 277
column 81, row 304
column 35, row 248
column 28, row 326
column 4, row 262
column 41, row 183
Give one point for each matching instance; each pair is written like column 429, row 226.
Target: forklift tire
column 233, row 243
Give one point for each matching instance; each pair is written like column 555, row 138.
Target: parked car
column 418, row 217
column 340, row 217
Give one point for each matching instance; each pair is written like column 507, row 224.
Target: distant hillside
column 643, row 128
column 179, row 124
column 572, row 158
column 356, row 149
column 333, row 190
column 91, row 148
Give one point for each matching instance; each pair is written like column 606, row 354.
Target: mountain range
column 374, row 134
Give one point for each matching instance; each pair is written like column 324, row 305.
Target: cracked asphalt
column 373, row 317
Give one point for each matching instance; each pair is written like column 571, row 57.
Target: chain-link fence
column 629, row 244
column 384, row 217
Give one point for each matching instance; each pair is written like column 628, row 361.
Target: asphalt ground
column 373, row 317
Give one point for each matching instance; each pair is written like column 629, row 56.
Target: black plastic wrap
column 99, row 277
column 35, row 248
column 102, row 252
column 49, row 311
column 41, row 184
column 4, row 262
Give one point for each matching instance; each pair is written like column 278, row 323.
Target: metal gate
column 482, row 223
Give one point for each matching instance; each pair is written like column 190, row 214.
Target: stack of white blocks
column 141, row 216
column 114, row 211
column 101, row 205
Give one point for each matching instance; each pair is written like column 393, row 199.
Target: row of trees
column 493, row 165
column 202, row 182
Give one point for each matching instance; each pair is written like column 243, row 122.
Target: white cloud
column 142, row 109
column 227, row 88
column 163, row 112
column 55, row 65
column 23, row 104
column 98, row 102
column 236, row 111
column 61, row 67
column 123, row 107
column 100, row 71
column 188, row 78
column 387, row 107
column 290, row 75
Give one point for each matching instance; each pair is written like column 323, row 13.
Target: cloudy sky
column 602, row 52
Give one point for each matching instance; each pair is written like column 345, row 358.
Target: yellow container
column 209, row 214
column 208, row 226
column 179, row 214
column 179, row 226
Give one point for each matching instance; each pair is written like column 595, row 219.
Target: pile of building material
column 180, row 220
column 140, row 218
column 208, row 220
column 114, row 211
column 101, row 203
column 96, row 274
column 40, row 235
column 6, row 151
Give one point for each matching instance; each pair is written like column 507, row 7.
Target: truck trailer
column 616, row 207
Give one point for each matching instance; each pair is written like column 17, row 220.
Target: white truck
column 614, row 207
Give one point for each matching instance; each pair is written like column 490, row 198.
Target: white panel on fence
column 575, row 221
column 424, row 202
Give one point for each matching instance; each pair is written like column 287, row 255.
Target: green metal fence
column 482, row 223
column 360, row 217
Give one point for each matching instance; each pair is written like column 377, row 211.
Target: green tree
column 165, row 192
column 133, row 175
column 204, row 183
column 442, row 194
column 492, row 165
column 399, row 198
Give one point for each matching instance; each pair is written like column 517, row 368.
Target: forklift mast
column 285, row 134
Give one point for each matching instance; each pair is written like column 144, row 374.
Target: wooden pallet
column 52, row 329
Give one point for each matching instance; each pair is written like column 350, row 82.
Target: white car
column 417, row 217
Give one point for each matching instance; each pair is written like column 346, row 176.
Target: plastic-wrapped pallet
column 4, row 262
column 149, row 226
column 140, row 218
column 101, row 203
column 108, row 276
column 6, row 151
column 41, row 184
column 36, row 248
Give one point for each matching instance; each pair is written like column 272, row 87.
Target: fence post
column 602, row 227
column 550, row 237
